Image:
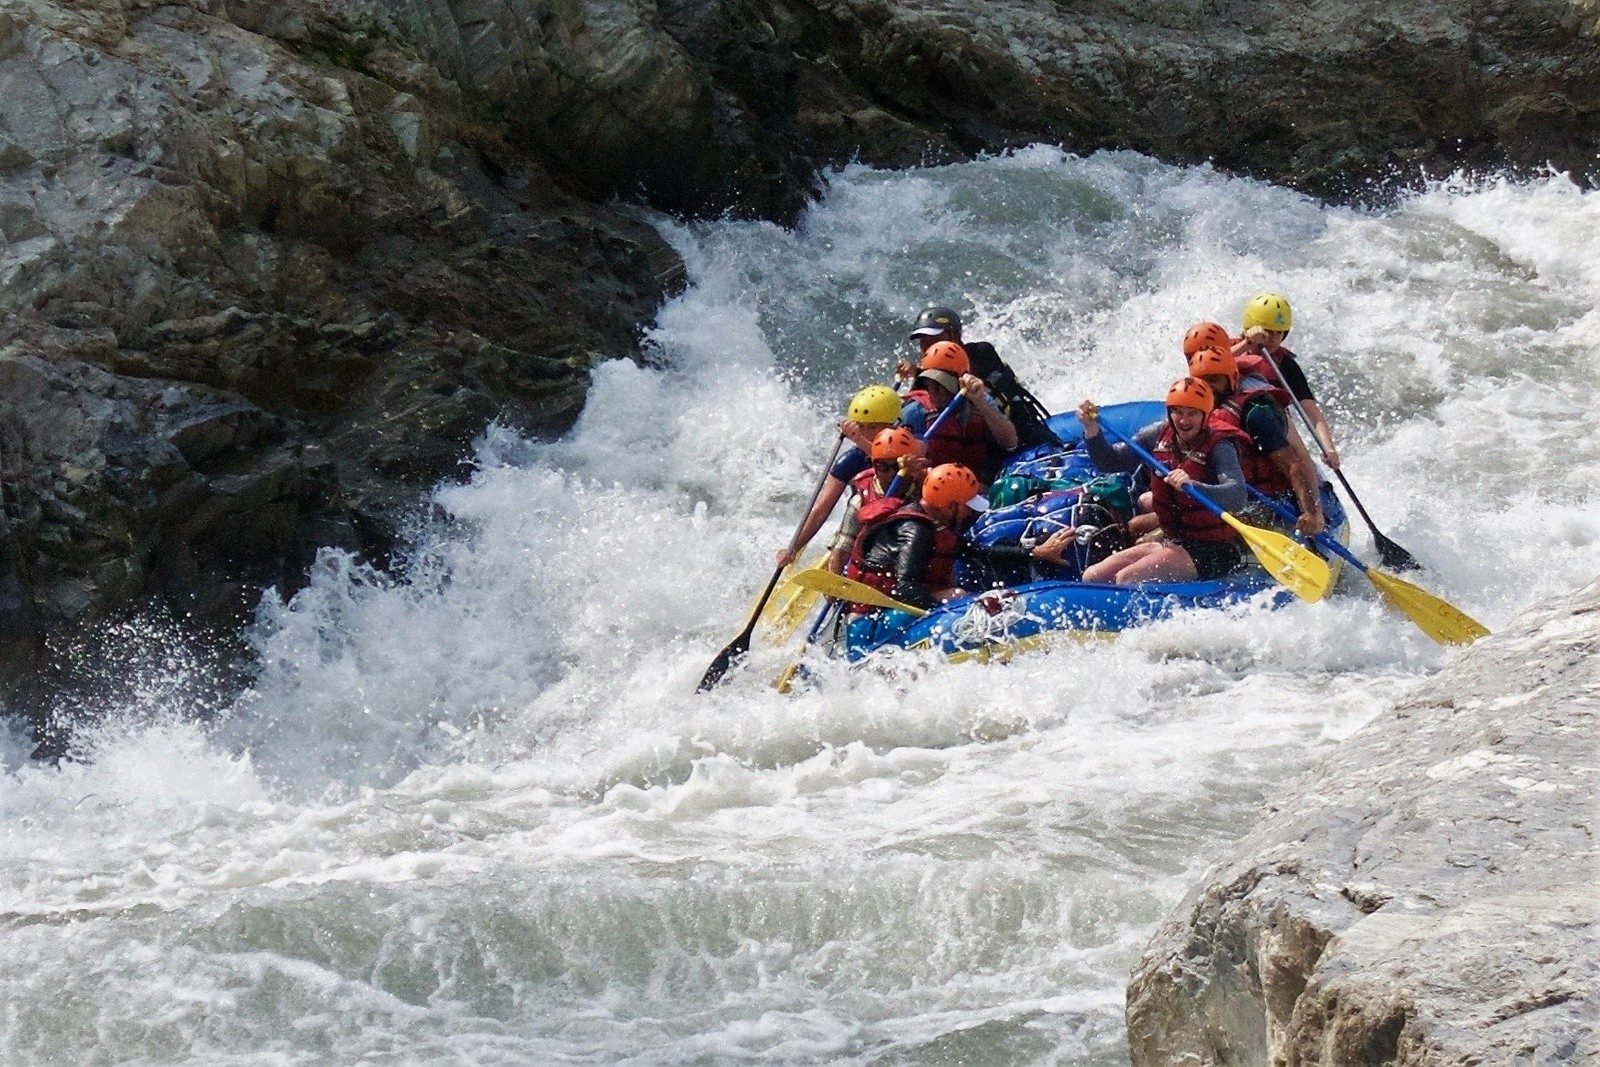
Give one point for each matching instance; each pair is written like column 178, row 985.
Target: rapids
column 473, row 811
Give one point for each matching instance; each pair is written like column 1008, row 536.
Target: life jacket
column 940, row 572
column 1228, row 417
column 867, row 489
column 1254, row 364
column 1181, row 515
column 963, row 439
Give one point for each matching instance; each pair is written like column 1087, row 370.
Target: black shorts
column 1214, row 559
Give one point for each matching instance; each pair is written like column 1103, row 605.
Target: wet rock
column 1427, row 895
column 263, row 276
column 705, row 104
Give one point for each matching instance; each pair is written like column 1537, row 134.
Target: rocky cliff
column 1427, row 895
column 266, row 267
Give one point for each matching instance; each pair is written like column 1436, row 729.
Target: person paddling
column 1266, row 323
column 1194, row 542
column 978, row 436
column 871, row 411
column 896, row 453
column 1021, row 407
column 1274, row 460
column 910, row 552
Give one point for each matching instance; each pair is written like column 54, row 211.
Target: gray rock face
column 1428, row 895
column 735, row 102
column 263, row 276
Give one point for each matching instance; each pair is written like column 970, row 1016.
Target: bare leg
column 1108, row 569
column 1168, row 563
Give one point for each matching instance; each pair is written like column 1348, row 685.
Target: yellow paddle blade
column 841, row 588
column 1304, row 572
column 1439, row 619
column 790, row 606
column 785, row 681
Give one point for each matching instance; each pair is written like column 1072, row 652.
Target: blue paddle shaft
column 955, row 402
column 1283, row 512
column 1159, row 467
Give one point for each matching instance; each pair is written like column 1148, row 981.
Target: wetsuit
column 904, row 555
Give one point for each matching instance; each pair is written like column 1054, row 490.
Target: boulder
column 1426, row 895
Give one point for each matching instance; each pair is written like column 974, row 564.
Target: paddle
column 790, row 605
column 841, row 588
column 1391, row 553
column 782, row 682
column 1304, row 572
column 741, row 644
column 1439, row 619
column 813, row 578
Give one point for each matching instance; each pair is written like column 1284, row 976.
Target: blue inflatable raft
column 1002, row 622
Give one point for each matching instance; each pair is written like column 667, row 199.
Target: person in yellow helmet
column 871, row 411
column 1266, row 323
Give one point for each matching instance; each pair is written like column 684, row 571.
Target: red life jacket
column 963, row 439
column 1254, row 364
column 1228, row 417
column 940, row 572
column 1181, row 515
column 866, row 486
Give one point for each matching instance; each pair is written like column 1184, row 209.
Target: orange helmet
column 1190, row 393
column 946, row 356
column 950, row 483
column 1206, row 335
column 894, row 443
column 1209, row 361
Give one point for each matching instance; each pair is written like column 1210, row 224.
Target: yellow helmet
column 1268, row 311
column 875, row 403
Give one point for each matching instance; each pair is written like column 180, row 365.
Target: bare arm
column 832, row 490
column 994, row 420
column 1324, row 432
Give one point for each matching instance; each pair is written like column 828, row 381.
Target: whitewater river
column 474, row 812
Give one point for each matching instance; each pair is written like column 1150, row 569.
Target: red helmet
column 1190, row 393
column 950, row 483
column 947, row 356
column 1209, row 361
column 1206, row 335
column 894, row 443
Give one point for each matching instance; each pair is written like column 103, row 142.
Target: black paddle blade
column 1394, row 557
column 725, row 659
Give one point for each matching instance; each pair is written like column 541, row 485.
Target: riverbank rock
column 1427, row 895
column 711, row 104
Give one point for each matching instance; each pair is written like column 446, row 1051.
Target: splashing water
column 474, row 811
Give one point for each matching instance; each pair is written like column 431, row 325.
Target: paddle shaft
column 949, row 409
column 1391, row 552
column 741, row 644
column 1160, row 468
column 1287, row 514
